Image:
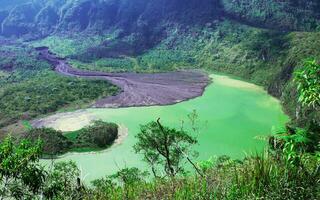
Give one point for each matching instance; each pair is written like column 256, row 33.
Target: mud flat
column 73, row 121
column 138, row 89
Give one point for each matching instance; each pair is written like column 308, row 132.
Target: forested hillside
column 41, row 18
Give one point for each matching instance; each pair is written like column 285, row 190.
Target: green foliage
column 286, row 14
column 49, row 93
column 21, row 176
column 257, row 177
column 163, row 146
column 129, row 176
column 98, row 135
column 266, row 176
column 308, row 81
column 32, row 89
column 53, row 141
column 295, row 142
column 104, row 188
column 95, row 137
column 106, row 64
column 121, row 185
column 66, row 46
column 63, row 182
column 205, row 165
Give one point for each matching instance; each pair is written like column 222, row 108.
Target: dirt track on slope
column 138, row 89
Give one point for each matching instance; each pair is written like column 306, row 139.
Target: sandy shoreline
column 136, row 90
column 72, row 120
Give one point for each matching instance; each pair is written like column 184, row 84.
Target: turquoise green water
column 231, row 113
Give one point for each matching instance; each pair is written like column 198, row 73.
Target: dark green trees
column 21, row 176
column 308, row 81
column 164, row 147
column 53, row 141
column 99, row 135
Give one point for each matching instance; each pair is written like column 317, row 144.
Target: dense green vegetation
column 284, row 15
column 254, row 40
column 67, row 46
column 143, row 20
column 29, row 88
column 54, row 142
column 287, row 170
column 162, row 146
column 97, row 136
column 20, row 172
column 265, row 57
column 308, row 80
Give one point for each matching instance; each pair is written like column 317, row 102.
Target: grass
column 32, row 89
column 72, row 135
column 266, row 176
column 26, row 124
column 106, row 64
column 65, row 46
column 86, row 149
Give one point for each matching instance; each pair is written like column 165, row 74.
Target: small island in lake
column 95, row 137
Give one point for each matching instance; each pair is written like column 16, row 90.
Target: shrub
column 100, row 134
column 53, row 141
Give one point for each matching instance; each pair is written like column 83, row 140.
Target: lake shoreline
column 137, row 89
column 122, row 135
column 232, row 114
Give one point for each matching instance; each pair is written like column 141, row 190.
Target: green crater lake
column 232, row 115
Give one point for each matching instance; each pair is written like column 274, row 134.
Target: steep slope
column 42, row 18
column 20, row 20
column 273, row 14
column 97, row 15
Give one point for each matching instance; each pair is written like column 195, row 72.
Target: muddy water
column 232, row 114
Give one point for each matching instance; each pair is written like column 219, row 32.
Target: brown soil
column 138, row 89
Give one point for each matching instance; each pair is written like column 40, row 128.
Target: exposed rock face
column 20, row 20
column 44, row 17
column 40, row 17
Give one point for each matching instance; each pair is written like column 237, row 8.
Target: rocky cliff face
column 43, row 18
column 40, row 18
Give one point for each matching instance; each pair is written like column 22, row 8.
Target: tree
column 101, row 134
column 21, row 176
column 308, row 81
column 128, row 176
column 164, row 146
column 54, row 142
column 63, row 181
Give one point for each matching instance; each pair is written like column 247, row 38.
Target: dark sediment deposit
column 138, row 89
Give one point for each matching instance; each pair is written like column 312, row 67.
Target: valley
column 232, row 118
column 160, row 99
column 138, row 89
